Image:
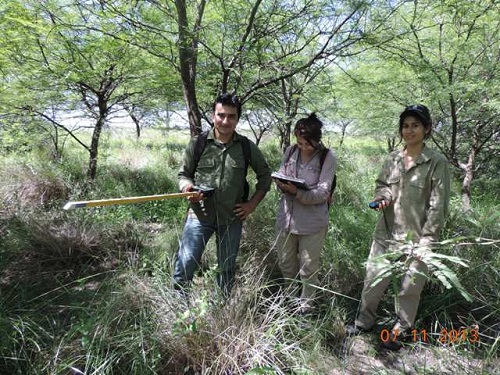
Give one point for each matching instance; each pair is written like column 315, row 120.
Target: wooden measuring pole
column 140, row 199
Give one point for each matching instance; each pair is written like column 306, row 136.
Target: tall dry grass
column 89, row 291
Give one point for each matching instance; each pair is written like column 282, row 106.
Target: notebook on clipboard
column 300, row 183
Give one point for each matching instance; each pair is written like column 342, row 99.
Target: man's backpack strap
column 245, row 146
column 199, row 147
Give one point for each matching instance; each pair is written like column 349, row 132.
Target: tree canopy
column 356, row 63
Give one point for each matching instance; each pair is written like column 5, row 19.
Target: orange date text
column 445, row 336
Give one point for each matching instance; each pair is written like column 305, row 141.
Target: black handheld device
column 374, row 204
column 207, row 191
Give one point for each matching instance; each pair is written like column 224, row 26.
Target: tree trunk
column 187, row 60
column 94, row 149
column 342, row 136
column 454, row 128
column 466, row 183
column 193, row 111
column 136, row 121
column 391, row 144
column 286, row 133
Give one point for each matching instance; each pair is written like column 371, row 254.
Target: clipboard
column 299, row 182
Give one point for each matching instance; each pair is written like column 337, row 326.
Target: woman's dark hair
column 419, row 111
column 230, row 100
column 310, row 129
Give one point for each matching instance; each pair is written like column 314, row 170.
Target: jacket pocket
column 236, row 163
column 394, row 176
column 416, row 191
column 235, row 172
column 205, row 166
column 205, row 173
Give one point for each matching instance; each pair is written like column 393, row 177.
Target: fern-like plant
column 396, row 263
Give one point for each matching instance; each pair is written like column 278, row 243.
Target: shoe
column 394, row 343
column 305, row 311
column 391, row 345
column 354, row 330
column 306, row 308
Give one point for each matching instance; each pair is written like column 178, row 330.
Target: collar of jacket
column 211, row 136
column 424, row 157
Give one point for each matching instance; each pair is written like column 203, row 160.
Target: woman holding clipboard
column 302, row 219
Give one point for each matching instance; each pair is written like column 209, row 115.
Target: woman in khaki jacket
column 413, row 193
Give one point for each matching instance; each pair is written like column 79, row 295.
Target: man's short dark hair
column 230, row 100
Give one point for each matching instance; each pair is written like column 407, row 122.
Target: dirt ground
column 363, row 355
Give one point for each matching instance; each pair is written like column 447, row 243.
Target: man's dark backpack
column 322, row 158
column 199, row 147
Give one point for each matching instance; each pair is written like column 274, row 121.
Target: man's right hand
column 194, row 198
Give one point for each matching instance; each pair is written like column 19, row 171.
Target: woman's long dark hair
column 310, row 129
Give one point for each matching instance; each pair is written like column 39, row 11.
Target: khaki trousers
column 412, row 284
column 299, row 257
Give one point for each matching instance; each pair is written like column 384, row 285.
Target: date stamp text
column 445, row 336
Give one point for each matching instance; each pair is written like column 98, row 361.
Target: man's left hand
column 242, row 210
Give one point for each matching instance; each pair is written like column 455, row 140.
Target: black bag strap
column 321, row 162
column 245, row 146
column 199, row 147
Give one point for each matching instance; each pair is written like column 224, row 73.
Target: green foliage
column 261, row 371
column 351, row 221
column 397, row 263
column 13, row 139
column 31, row 185
column 186, row 323
column 92, row 286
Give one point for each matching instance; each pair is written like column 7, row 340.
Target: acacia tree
column 245, row 48
column 164, row 31
column 69, row 66
column 366, row 97
column 453, row 49
column 272, row 56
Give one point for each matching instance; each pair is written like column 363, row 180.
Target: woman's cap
column 418, row 110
